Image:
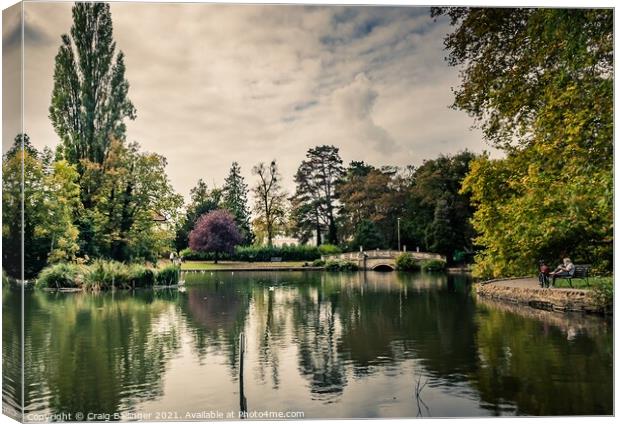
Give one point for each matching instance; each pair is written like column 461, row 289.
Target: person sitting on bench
column 567, row 269
column 543, row 276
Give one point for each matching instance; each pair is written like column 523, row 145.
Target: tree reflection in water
column 312, row 338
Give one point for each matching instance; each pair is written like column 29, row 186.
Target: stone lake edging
column 568, row 322
column 564, row 300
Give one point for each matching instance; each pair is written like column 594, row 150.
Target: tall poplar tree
column 89, row 99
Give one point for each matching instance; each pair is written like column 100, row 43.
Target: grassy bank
column 210, row 266
column 581, row 284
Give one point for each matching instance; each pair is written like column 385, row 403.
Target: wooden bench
column 581, row 272
column 276, row 259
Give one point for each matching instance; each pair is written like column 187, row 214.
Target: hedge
column 263, row 253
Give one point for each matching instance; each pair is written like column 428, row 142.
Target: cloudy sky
column 217, row 83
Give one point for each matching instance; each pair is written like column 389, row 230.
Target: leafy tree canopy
column 215, row 231
column 539, row 82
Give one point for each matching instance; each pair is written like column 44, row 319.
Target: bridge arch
column 384, row 267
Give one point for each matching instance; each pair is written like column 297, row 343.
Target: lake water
column 323, row 344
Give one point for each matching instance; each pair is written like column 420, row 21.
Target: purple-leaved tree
column 216, row 232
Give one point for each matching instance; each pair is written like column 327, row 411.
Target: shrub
column 61, row 275
column 104, row 275
column 332, row 266
column 168, row 275
column 99, row 275
column 190, row 255
column 406, row 262
column 433, row 265
column 141, row 276
column 265, row 253
column 348, row 266
column 318, row 262
column 258, row 254
column 341, row 266
column 329, row 249
column 603, row 294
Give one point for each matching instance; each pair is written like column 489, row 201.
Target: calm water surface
column 328, row 345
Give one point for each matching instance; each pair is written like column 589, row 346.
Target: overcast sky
column 217, row 83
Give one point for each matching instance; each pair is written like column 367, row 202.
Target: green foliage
column 122, row 191
column 406, row 262
column 526, row 68
column 89, row 98
column 34, row 212
column 433, row 214
column 235, row 199
column 287, row 253
column 141, row 276
column 348, row 266
column 603, row 294
column 540, row 83
column 333, row 265
column 368, row 236
column 61, row 276
column 62, row 199
column 314, row 202
column 372, row 200
column 437, row 217
column 318, row 262
column 258, row 254
column 130, row 194
column 168, row 275
column 329, row 249
column 105, row 275
column 51, row 199
column 433, row 265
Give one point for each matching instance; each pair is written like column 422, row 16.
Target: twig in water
column 418, row 397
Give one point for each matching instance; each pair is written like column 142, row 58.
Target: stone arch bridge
column 379, row 260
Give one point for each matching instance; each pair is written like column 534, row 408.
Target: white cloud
column 217, row 83
column 355, row 102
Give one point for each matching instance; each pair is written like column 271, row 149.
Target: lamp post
column 398, row 225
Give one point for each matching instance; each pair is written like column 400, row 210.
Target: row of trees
column 357, row 206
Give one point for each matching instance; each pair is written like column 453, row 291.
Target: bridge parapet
column 381, row 254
